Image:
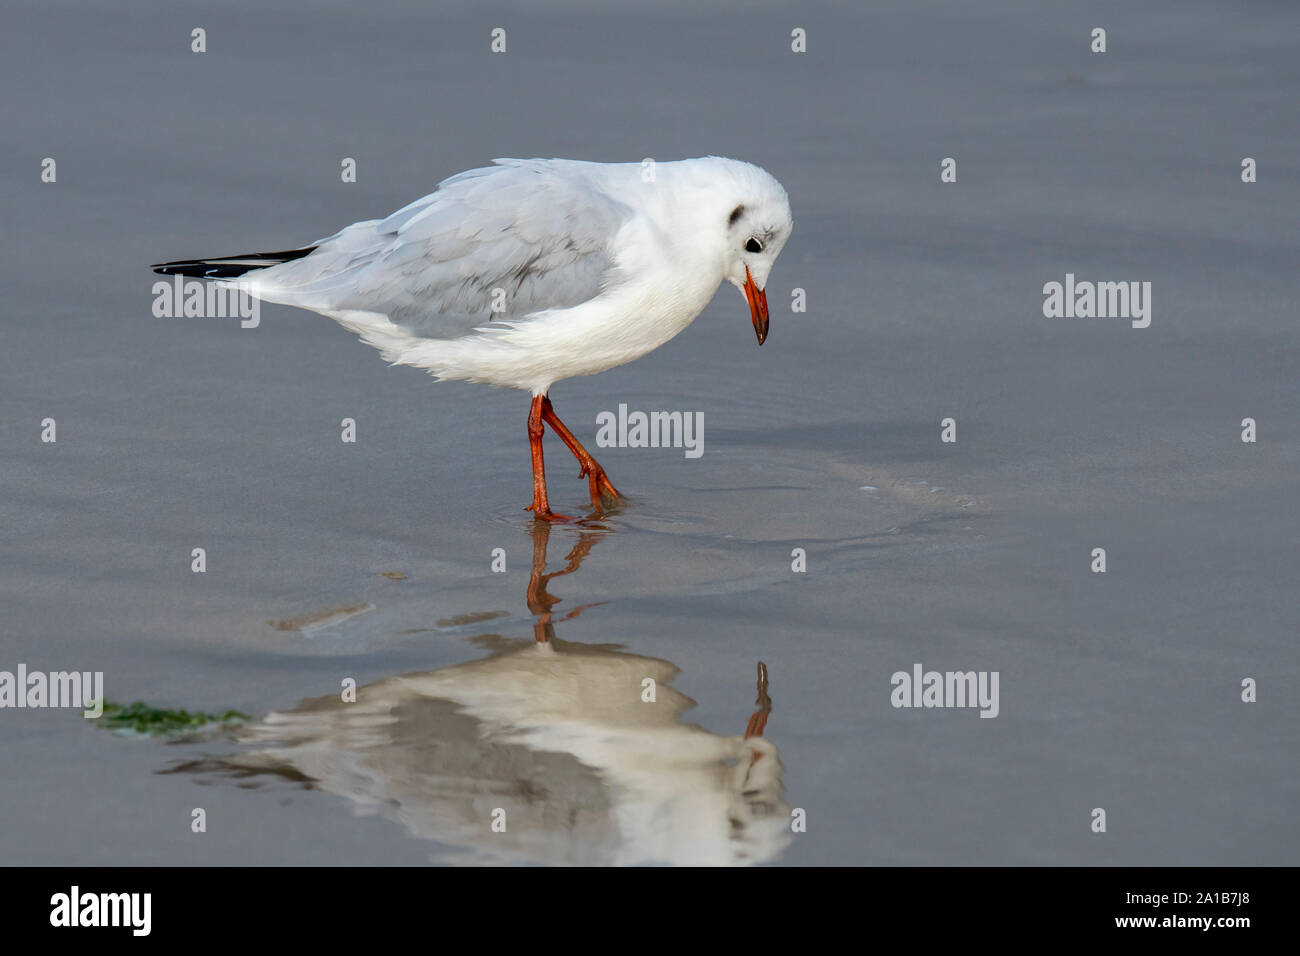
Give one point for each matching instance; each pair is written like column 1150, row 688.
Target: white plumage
column 532, row 271
column 528, row 272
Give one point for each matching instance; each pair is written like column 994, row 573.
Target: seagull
column 531, row 271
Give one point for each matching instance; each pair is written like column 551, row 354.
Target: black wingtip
column 228, row 267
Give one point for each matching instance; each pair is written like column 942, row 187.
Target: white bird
column 532, row 271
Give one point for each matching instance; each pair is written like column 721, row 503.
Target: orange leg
column 541, row 507
column 602, row 489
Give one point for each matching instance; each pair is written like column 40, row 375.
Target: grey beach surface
column 373, row 561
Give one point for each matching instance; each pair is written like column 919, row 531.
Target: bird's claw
column 548, row 515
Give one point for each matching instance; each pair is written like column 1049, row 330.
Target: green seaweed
column 140, row 718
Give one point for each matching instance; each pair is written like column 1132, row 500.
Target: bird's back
column 487, row 245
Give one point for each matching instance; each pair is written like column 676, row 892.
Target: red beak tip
column 757, row 299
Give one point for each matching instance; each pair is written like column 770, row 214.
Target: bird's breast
column 613, row 329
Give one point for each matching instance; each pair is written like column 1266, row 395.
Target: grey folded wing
column 488, row 245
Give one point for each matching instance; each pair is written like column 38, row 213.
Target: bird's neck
column 688, row 207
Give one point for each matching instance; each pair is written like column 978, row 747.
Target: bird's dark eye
column 753, row 245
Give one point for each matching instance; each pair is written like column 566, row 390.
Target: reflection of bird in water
column 559, row 735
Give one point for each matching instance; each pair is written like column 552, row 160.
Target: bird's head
column 757, row 225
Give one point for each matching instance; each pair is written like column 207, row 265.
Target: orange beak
column 757, row 306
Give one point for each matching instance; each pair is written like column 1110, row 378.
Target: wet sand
column 372, row 561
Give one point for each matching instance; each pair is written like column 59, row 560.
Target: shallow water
column 373, row 561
